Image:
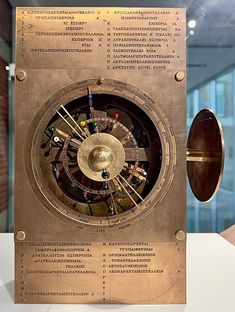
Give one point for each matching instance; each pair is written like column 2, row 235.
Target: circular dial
column 101, row 155
column 205, row 155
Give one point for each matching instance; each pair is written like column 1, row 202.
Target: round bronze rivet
column 179, row 76
column 21, row 75
column 101, row 80
column 20, row 235
column 180, row 235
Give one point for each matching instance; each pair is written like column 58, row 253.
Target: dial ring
column 99, row 152
column 139, row 98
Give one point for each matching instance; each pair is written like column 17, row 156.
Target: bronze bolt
column 179, row 76
column 180, row 235
column 101, row 80
column 20, row 235
column 21, row 75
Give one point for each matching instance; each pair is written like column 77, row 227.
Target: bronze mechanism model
column 101, row 155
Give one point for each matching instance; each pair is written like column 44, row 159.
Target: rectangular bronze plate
column 137, row 54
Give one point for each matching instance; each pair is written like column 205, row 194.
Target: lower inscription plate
column 113, row 272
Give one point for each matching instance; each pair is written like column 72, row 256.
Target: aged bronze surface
column 100, row 155
column 99, row 152
column 205, row 155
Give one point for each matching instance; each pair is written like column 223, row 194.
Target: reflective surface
column 205, row 155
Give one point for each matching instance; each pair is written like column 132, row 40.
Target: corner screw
column 180, row 235
column 179, row 76
column 20, row 235
column 101, row 80
column 21, row 75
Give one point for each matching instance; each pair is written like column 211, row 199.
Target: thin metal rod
column 70, row 125
column 90, row 101
column 120, row 183
column 111, row 125
column 74, row 142
column 76, row 169
column 130, row 186
column 87, row 131
column 90, row 208
column 74, row 121
column 114, row 205
column 92, row 110
column 136, row 171
column 203, row 156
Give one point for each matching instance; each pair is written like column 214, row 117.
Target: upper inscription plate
column 106, row 38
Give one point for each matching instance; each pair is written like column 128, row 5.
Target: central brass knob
column 100, row 158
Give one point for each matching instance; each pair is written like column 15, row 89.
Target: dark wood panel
column 5, row 21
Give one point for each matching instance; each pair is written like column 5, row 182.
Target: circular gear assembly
column 99, row 155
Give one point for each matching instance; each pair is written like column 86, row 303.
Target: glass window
column 228, row 175
column 205, row 99
column 224, row 95
column 219, row 214
column 190, row 105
